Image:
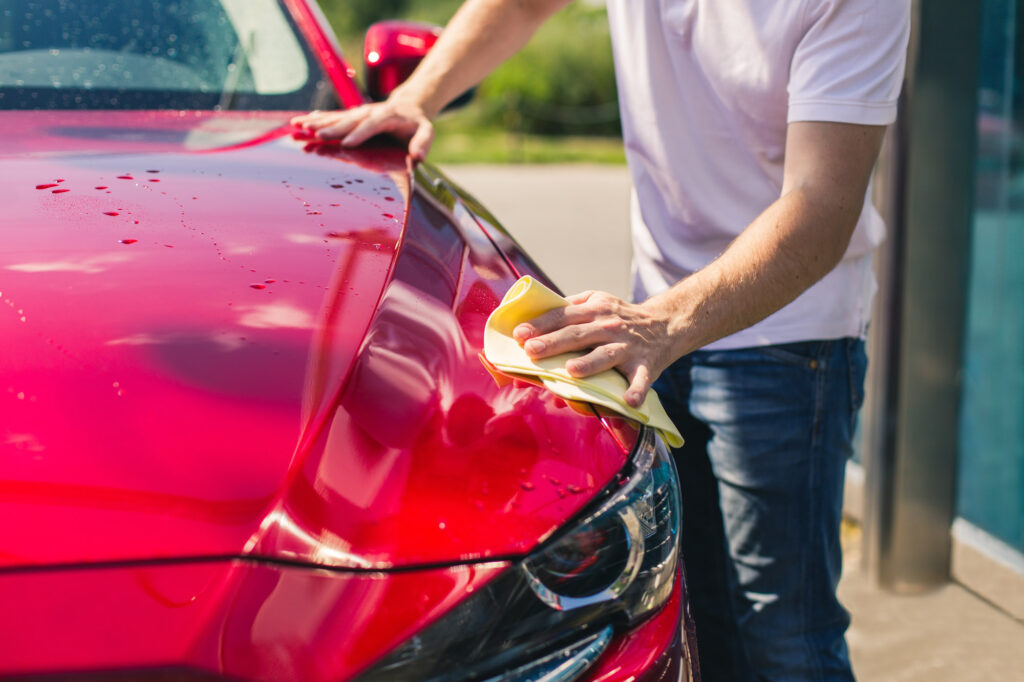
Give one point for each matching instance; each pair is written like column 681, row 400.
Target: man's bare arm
column 795, row 242
column 481, row 35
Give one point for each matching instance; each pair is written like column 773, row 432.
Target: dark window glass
column 991, row 476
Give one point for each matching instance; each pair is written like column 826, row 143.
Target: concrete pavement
column 945, row 635
column 574, row 221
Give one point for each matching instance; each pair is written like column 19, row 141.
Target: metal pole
column 911, row 467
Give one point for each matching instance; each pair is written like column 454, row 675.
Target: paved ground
column 574, row 221
column 945, row 635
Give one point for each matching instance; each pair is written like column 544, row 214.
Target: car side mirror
column 392, row 51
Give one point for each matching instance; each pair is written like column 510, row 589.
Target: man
column 751, row 129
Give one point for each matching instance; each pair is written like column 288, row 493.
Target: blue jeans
column 768, row 431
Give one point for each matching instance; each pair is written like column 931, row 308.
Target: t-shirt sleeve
column 848, row 66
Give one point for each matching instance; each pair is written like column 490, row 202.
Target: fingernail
column 633, row 398
column 534, row 346
column 521, row 332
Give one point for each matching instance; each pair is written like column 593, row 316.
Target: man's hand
column 397, row 116
column 632, row 338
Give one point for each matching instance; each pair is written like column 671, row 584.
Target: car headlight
column 551, row 615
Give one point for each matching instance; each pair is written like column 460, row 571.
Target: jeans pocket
column 806, row 354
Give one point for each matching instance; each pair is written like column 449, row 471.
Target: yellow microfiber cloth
column 528, row 299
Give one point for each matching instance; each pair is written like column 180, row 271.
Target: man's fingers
column 603, row 357
column 355, row 126
column 571, row 338
column 374, row 124
column 581, row 297
column 421, row 140
column 360, row 133
column 583, row 307
column 639, row 384
column 305, row 119
column 315, row 119
column 552, row 320
column 610, row 333
column 343, row 126
column 330, row 125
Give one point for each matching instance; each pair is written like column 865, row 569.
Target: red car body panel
column 239, row 387
column 182, row 379
column 278, row 386
column 254, row 621
column 233, row 618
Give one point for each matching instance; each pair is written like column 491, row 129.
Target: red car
column 245, row 433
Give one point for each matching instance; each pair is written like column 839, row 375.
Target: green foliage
column 462, row 139
column 351, row 17
column 432, row 11
column 562, row 83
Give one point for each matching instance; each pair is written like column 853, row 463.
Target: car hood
column 204, row 352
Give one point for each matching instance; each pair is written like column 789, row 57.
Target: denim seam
column 819, row 396
column 787, row 357
column 856, row 387
column 814, row 502
column 850, row 371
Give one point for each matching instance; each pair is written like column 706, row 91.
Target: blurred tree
column 562, row 83
column 351, row 17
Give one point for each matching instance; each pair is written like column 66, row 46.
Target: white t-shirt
column 706, row 88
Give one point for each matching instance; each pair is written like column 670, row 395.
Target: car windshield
column 154, row 54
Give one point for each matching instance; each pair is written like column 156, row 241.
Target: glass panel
column 991, row 477
column 177, row 54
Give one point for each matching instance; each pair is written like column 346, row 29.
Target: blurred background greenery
column 553, row 102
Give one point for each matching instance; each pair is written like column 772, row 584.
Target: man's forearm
column 789, row 247
column 795, row 242
column 481, row 35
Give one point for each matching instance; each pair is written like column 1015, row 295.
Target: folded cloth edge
column 529, row 298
